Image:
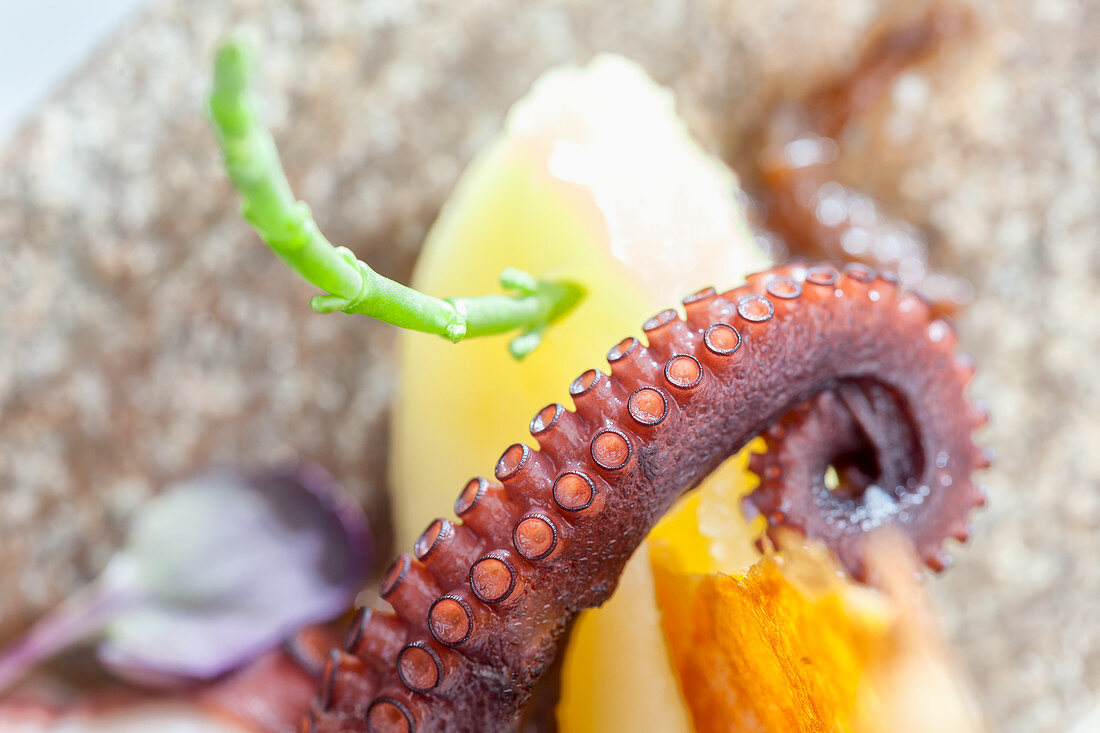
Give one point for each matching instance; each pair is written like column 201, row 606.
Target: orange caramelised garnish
column 790, row 644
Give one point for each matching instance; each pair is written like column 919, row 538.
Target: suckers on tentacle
column 868, row 380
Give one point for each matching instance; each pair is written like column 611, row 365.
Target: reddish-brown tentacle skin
column 859, row 430
column 552, row 534
column 792, row 174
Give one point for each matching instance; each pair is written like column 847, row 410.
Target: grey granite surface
column 144, row 331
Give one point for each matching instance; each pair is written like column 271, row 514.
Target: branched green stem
column 351, row 286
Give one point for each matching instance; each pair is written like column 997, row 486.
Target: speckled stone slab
column 145, row 331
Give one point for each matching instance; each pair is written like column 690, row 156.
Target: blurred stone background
column 144, row 331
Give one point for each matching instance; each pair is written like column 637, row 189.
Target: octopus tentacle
column 790, row 162
column 845, row 367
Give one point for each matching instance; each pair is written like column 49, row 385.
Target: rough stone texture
column 145, row 331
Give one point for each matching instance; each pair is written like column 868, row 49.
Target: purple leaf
column 215, row 571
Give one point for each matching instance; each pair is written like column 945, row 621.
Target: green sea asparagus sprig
column 351, row 286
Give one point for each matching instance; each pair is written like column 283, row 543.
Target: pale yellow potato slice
column 594, row 179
